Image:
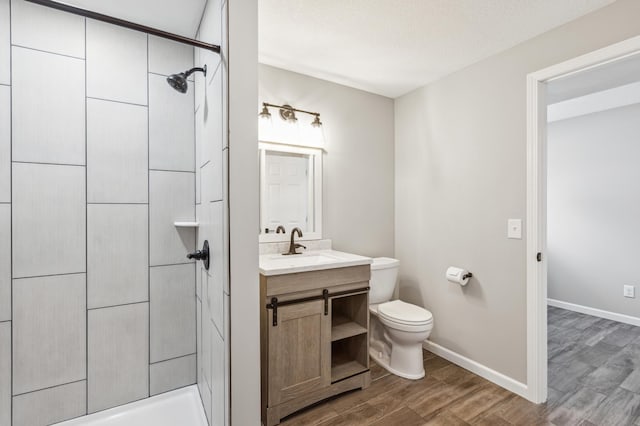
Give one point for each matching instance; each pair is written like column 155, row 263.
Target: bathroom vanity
column 314, row 329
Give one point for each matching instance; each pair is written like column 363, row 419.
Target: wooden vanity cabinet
column 314, row 338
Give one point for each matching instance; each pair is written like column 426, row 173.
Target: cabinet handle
column 274, row 315
column 325, row 296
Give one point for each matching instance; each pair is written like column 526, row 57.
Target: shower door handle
column 201, row 255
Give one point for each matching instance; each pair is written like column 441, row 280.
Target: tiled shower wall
column 212, row 151
column 97, row 160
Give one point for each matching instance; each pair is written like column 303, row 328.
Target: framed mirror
column 290, row 191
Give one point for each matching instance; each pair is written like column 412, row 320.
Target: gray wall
column 97, row 291
column 212, row 286
column 358, row 164
column 461, row 173
column 593, row 193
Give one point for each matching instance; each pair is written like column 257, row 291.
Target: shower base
column 180, row 407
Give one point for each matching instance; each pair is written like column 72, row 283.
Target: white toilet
column 397, row 328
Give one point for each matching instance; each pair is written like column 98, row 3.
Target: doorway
column 538, row 85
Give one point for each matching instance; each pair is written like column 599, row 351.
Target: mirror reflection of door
column 287, row 186
column 290, row 191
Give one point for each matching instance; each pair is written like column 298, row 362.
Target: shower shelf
column 186, row 224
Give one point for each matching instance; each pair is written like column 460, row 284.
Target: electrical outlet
column 629, row 291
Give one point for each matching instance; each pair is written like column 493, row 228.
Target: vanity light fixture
column 265, row 114
column 288, row 113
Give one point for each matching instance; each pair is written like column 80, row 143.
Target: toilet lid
column 405, row 313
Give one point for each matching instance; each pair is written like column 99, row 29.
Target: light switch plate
column 629, row 291
column 514, row 229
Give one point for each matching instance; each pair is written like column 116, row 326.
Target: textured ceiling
column 175, row 16
column 391, row 47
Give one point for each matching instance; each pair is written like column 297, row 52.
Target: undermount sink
column 278, row 264
column 301, row 259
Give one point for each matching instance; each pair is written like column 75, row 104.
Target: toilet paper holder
column 458, row 275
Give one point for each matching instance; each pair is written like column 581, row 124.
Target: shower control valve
column 201, row 255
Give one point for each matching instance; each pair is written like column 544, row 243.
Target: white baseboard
column 627, row 319
column 481, row 370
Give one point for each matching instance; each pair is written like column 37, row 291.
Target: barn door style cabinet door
column 299, row 351
column 314, row 338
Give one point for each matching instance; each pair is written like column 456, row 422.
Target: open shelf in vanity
column 349, row 335
column 349, row 356
column 349, row 316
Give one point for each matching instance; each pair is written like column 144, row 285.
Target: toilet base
column 384, row 361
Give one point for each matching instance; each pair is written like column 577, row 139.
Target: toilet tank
column 384, row 274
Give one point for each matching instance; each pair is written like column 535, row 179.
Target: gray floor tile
column 568, row 352
column 552, row 329
column 566, row 377
column 594, row 371
column 630, row 327
column 586, row 423
column 566, row 321
column 586, row 321
column 595, row 334
column 577, row 407
column 605, row 323
column 620, row 408
column 622, row 335
column 629, row 357
column 598, row 354
column 564, row 335
column 554, row 348
column 552, row 318
column 606, row 378
column 557, row 312
column 555, row 398
column 632, row 382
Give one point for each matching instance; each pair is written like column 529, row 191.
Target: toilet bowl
column 397, row 328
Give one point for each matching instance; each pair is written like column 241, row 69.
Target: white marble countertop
column 312, row 260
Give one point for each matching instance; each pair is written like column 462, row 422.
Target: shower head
column 179, row 81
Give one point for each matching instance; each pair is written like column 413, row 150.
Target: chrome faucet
column 293, row 245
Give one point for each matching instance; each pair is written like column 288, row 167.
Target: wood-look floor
column 594, row 378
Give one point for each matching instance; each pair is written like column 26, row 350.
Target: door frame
column 536, row 202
